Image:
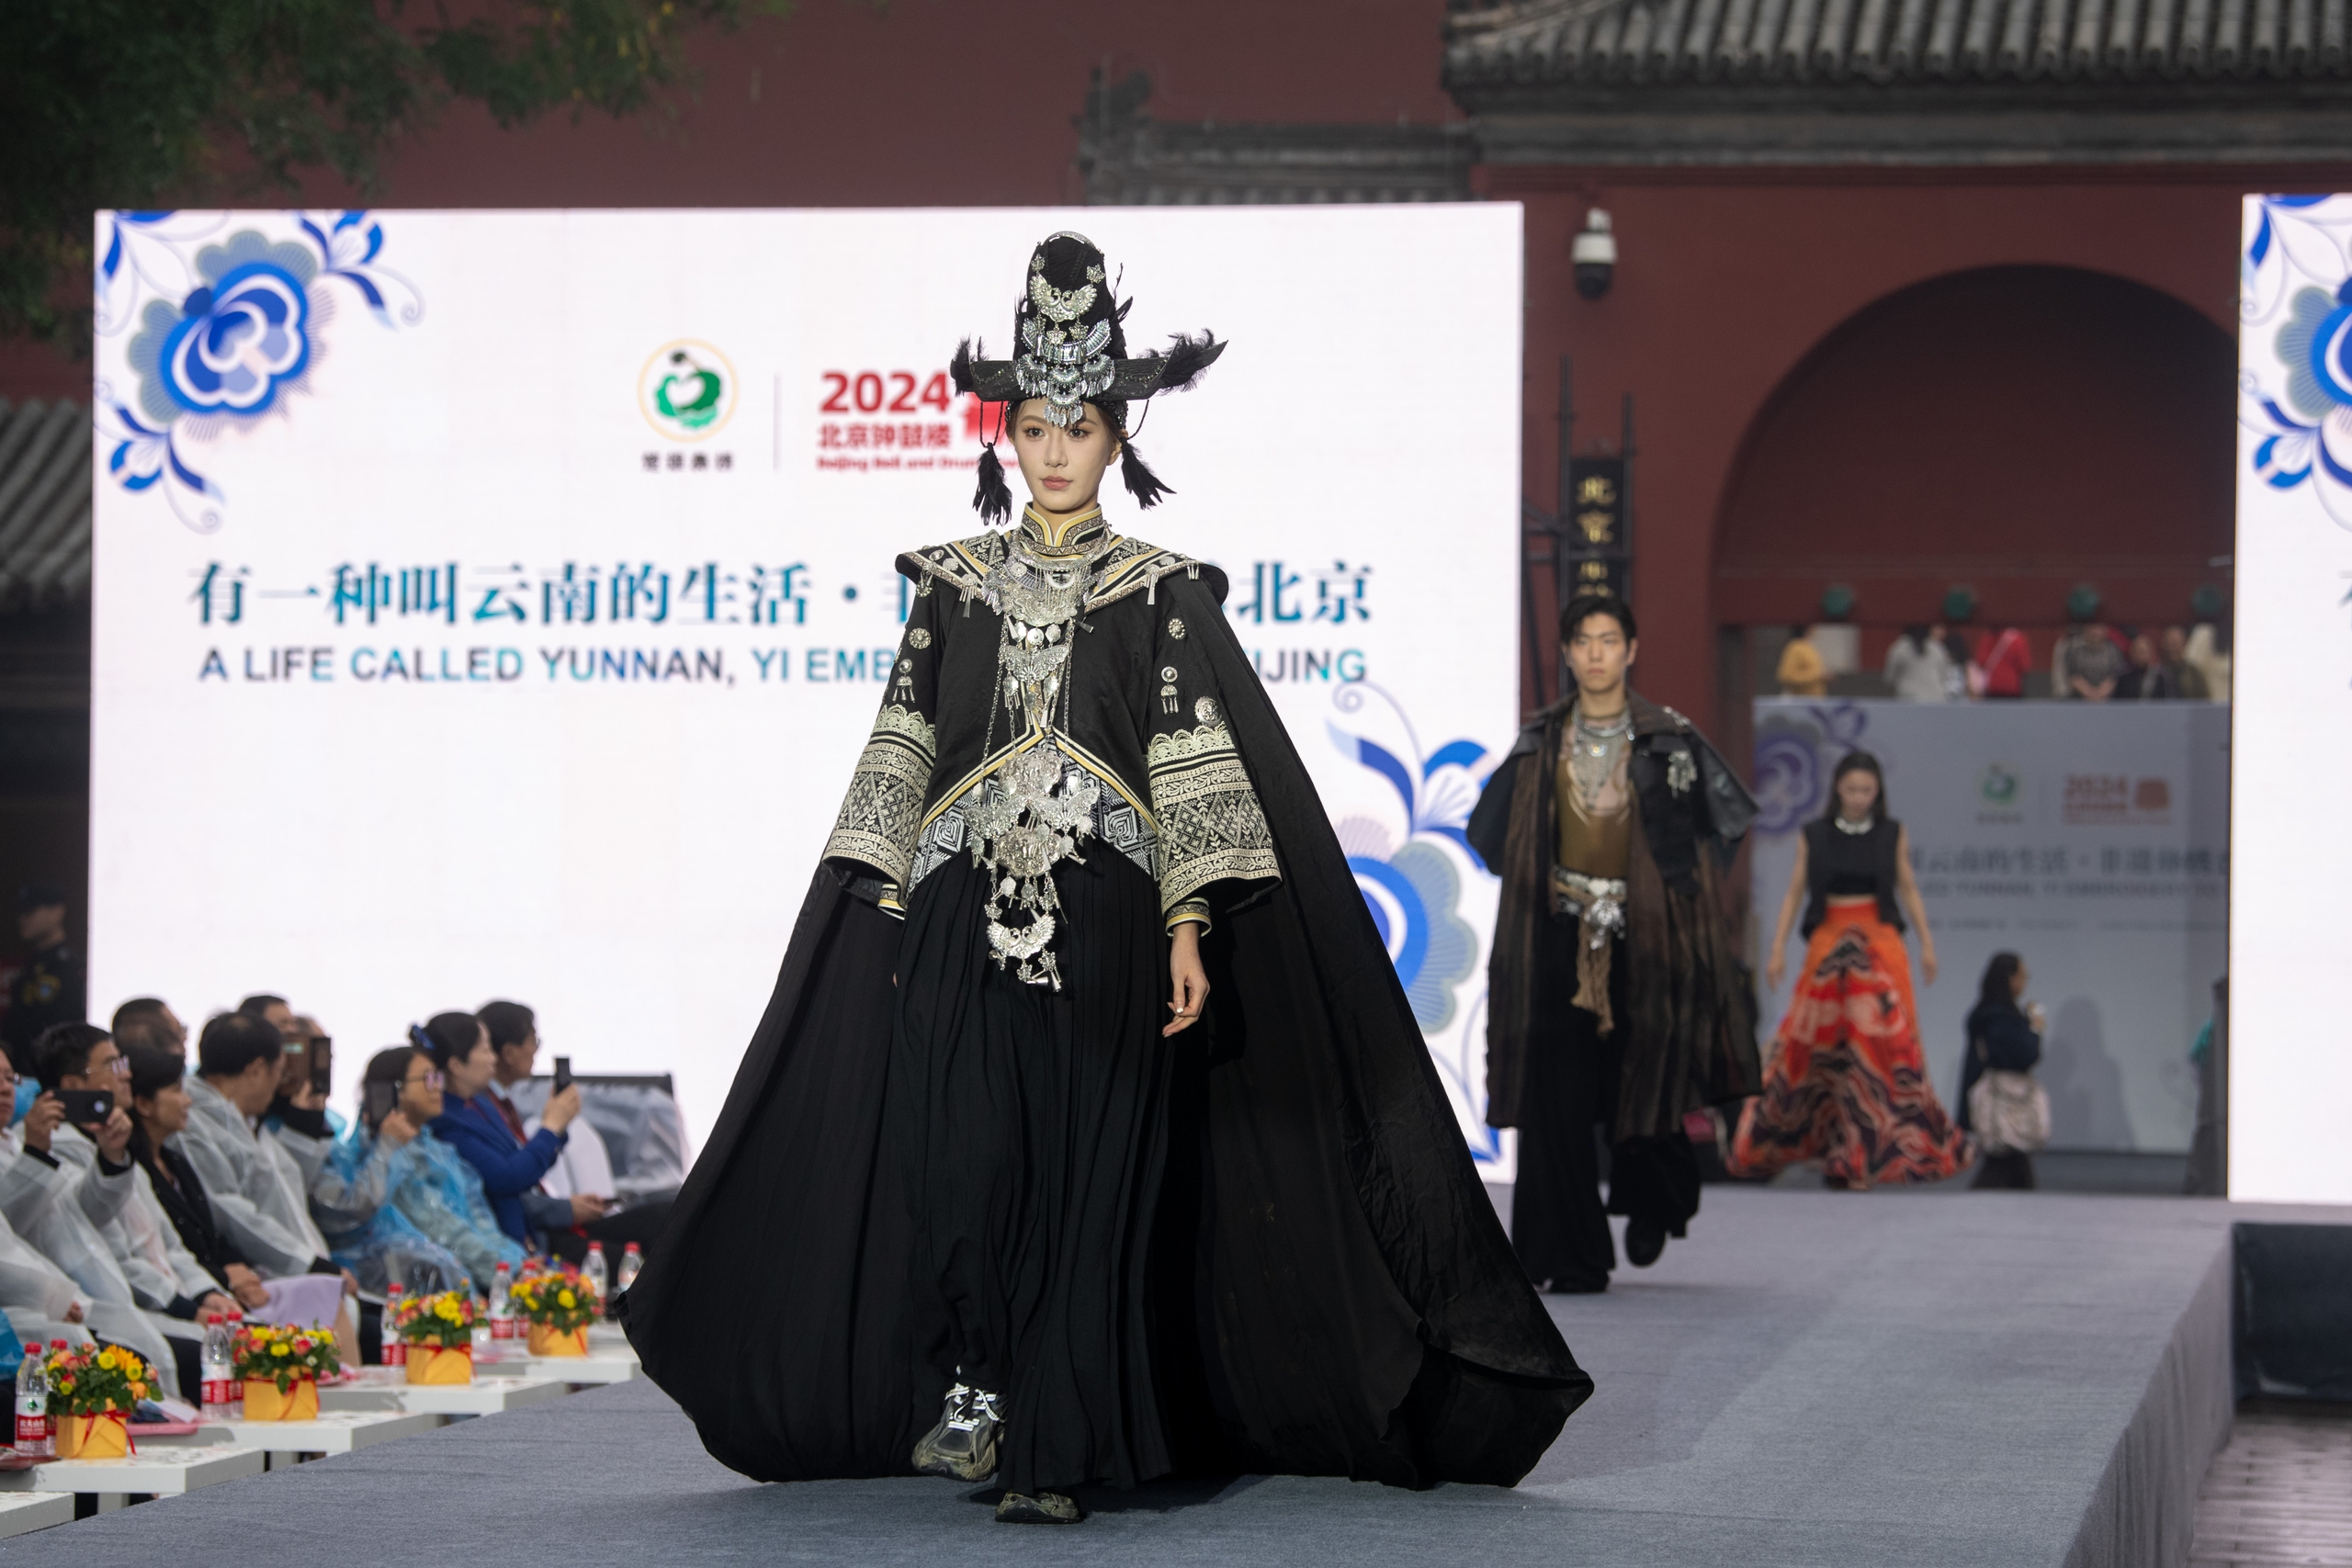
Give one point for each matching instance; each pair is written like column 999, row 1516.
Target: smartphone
column 323, row 1063
column 563, row 1074
column 87, row 1107
column 381, row 1098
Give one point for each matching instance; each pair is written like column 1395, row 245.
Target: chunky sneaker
column 963, row 1446
column 1045, row 1509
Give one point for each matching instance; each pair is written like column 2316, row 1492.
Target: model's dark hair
column 450, row 1036
column 2000, row 973
column 385, row 1066
column 510, row 1024
column 1858, row 763
column 62, row 1050
column 1585, row 605
column 232, row 1042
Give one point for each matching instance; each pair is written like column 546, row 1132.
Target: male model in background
column 1615, row 998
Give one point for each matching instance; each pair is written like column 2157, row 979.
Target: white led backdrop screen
column 2290, row 1047
column 492, row 605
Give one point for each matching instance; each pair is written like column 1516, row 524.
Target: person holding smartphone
column 42, row 1301
column 68, row 1186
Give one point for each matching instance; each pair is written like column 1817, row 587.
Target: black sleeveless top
column 1850, row 866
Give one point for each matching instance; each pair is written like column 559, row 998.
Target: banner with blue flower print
column 211, row 322
column 2292, row 688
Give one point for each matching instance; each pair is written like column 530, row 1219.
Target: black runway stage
column 1944, row 1379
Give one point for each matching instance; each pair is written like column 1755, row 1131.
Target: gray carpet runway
column 1812, row 1378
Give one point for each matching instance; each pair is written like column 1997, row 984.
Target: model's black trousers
column 1566, row 1103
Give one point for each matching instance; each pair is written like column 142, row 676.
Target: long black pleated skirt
column 1032, row 1133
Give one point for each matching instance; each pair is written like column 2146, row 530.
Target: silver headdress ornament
column 1073, row 352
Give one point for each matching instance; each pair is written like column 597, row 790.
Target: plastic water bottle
column 235, row 1409
column 632, row 1265
column 595, row 1272
column 34, row 1436
column 395, row 1351
column 502, row 1311
column 219, row 1367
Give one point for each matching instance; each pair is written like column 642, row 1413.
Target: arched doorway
column 2019, row 429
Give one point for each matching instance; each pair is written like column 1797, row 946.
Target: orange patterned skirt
column 1847, row 1084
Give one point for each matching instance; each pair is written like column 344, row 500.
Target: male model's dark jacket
column 1690, row 1020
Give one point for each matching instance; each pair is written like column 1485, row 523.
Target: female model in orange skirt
column 1846, row 1083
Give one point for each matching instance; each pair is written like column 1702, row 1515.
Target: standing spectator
column 492, row 1138
column 1802, row 671
column 2086, row 664
column 2207, row 653
column 49, row 987
column 1919, row 668
column 2147, row 680
column 2002, row 659
column 1966, row 681
column 149, row 1021
column 2187, row 681
column 2006, row 1037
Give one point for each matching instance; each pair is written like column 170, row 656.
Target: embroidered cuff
column 1210, row 829
column 1193, row 910
column 876, row 826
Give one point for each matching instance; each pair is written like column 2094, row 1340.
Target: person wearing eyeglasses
column 433, row 1228
column 67, row 1184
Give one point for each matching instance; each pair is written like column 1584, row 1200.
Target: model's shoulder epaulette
column 963, row 564
column 1133, row 566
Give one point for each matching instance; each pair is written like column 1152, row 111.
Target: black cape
column 1356, row 1304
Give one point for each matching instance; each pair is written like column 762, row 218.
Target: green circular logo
column 686, row 390
column 1998, row 786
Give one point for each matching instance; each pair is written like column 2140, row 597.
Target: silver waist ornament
column 1034, row 812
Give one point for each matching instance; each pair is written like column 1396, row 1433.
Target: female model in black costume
column 1089, row 1136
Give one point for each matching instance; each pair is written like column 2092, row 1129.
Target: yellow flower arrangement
column 443, row 1321
column 86, row 1381
column 560, row 1302
column 284, row 1354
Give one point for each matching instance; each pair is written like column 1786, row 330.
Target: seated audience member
column 2186, row 680
column 258, row 1194
column 434, row 1220
column 585, row 1165
column 491, row 1139
column 171, row 1204
column 66, row 1189
column 149, row 1021
column 41, row 1301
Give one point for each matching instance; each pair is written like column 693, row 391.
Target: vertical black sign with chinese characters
column 1596, row 549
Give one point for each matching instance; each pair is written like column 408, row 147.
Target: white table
column 334, row 1432
column 596, row 1366
column 488, row 1394
column 24, row 1512
column 155, row 1470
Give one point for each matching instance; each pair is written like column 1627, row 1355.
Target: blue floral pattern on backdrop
column 2297, row 272
column 1795, row 754
column 223, row 335
column 1405, row 868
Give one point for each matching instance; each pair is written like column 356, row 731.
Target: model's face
column 1598, row 654
column 1063, row 468
column 1857, row 793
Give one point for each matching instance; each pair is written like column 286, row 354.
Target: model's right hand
column 1775, row 967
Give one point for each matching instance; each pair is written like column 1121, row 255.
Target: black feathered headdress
column 1074, row 351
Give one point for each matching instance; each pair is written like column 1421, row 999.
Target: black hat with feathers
column 1069, row 328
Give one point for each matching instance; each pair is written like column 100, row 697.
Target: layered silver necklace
column 1033, row 813
column 1595, row 751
